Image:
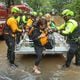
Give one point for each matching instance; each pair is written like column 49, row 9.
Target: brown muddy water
column 49, row 66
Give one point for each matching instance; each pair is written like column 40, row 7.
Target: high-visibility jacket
column 68, row 27
column 22, row 20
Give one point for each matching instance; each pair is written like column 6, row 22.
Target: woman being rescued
column 40, row 39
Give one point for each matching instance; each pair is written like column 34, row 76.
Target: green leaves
column 47, row 5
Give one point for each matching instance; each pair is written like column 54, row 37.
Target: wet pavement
column 49, row 66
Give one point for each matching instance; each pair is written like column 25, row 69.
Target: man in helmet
column 22, row 20
column 31, row 22
column 10, row 35
column 68, row 29
column 32, row 18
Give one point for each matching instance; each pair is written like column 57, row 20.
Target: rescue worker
column 22, row 20
column 30, row 22
column 31, row 19
column 40, row 39
column 77, row 40
column 10, row 35
column 68, row 29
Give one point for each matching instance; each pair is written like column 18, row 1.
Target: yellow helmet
column 68, row 12
column 15, row 10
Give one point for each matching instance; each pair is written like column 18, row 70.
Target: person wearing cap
column 10, row 30
column 68, row 28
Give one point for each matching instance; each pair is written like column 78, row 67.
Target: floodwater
column 50, row 67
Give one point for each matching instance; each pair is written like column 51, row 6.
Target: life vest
column 47, row 41
column 11, row 26
column 44, row 40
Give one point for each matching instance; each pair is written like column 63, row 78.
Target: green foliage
column 47, row 5
column 17, row 1
column 40, row 5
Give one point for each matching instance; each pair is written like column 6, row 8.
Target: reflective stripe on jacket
column 69, row 27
